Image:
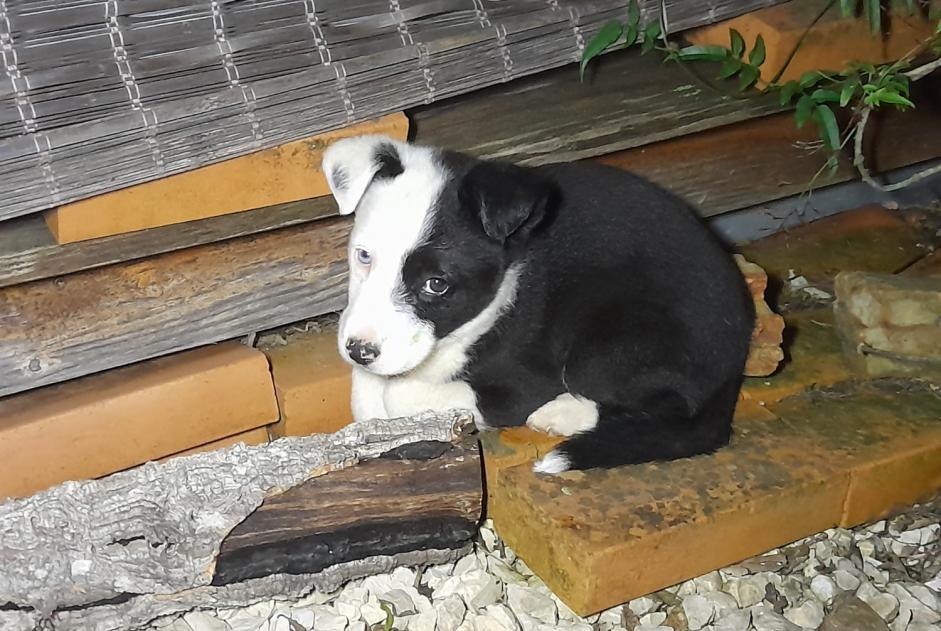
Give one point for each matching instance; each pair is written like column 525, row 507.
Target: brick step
column 97, row 425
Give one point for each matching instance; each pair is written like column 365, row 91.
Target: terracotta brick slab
column 312, row 384
column 287, row 173
column 602, row 538
column 111, row 421
column 257, row 436
column 832, row 44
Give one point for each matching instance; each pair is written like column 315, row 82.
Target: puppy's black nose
column 361, row 352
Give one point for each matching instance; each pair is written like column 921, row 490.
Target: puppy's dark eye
column 435, row 286
column 362, row 256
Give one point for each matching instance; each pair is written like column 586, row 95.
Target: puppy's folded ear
column 509, row 200
column 352, row 164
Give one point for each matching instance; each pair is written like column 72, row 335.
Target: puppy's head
column 434, row 235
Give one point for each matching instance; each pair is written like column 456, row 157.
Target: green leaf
column 608, row 35
column 829, row 129
column 729, row 68
column 633, row 14
column 805, row 107
column 738, row 43
column 910, row 6
column 747, row 77
column 389, row 609
column 846, row 94
column 893, row 98
column 787, row 92
column 651, row 33
column 833, row 164
column 873, row 10
column 810, row 78
column 847, row 7
column 825, row 96
column 757, row 55
column 707, row 53
column 631, row 38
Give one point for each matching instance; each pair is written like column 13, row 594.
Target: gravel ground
column 884, row 576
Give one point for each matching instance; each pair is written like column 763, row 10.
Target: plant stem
column 800, row 41
column 859, row 160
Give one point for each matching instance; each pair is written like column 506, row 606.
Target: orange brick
column 111, row 421
column 312, row 384
column 832, row 44
column 287, row 173
column 601, row 538
column 257, row 436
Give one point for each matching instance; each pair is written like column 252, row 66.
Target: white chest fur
column 382, row 397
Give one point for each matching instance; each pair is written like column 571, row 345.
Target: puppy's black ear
column 509, row 200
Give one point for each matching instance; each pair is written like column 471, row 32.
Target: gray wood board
column 58, row 329
column 626, row 101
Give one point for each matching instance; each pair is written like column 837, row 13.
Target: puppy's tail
column 664, row 431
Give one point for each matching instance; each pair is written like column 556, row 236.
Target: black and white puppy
column 580, row 300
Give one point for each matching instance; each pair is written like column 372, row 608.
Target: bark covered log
column 155, row 532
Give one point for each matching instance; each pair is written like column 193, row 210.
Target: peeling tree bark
column 119, row 552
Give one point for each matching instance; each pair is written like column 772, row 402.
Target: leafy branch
column 859, row 90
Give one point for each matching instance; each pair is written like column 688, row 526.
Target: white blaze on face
column 392, row 219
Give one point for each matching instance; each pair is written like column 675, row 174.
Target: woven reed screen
column 100, row 95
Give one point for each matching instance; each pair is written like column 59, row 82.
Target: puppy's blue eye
column 435, row 286
column 362, row 256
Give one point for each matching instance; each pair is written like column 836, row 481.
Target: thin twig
column 859, row 158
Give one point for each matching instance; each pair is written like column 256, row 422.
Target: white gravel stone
column 533, row 603
column 476, row 587
column 824, row 588
column 886, row 605
column 808, row 615
column 846, row 581
column 654, row 618
column 202, row 621
column 711, row 582
column 748, row 590
column 737, row 620
column 642, row 605
column 765, row 619
column 698, row 610
column 424, row 621
column 721, row 602
column 400, row 600
column 496, row 618
column 329, row 619
column 451, row 611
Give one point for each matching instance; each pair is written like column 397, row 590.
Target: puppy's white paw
column 565, row 415
column 552, row 463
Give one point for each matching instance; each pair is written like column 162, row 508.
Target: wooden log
column 421, row 496
column 53, row 330
column 147, row 540
column 629, row 101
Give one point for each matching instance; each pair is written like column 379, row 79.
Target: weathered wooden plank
column 422, row 496
column 28, row 252
column 58, row 329
column 757, row 161
column 629, row 101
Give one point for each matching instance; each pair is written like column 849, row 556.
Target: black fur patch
column 389, row 164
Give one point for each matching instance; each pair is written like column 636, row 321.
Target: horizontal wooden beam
column 627, row 100
column 58, row 329
column 421, row 496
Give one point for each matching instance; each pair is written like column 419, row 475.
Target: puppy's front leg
column 407, row 397
column 367, row 396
